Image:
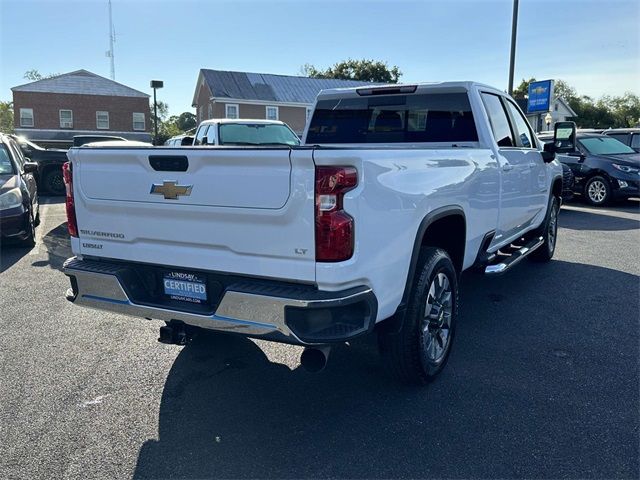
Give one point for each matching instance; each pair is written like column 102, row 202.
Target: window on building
column 272, row 113
column 138, row 121
column 498, row 119
column 231, row 111
column 26, row 117
column 66, row 119
column 210, row 111
column 102, row 120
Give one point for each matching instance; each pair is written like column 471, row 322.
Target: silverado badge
column 171, row 190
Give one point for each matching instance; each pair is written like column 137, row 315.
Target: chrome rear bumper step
column 514, row 258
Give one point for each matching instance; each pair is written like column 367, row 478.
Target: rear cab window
column 397, row 118
column 249, row 134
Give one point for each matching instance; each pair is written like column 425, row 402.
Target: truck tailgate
column 243, row 211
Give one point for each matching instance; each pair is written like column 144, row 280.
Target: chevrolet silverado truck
column 366, row 227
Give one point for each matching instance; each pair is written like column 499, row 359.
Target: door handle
column 532, row 165
column 506, row 167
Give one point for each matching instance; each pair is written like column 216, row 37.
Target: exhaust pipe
column 314, row 359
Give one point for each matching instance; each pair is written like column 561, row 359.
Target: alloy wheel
column 553, row 228
column 597, row 191
column 436, row 321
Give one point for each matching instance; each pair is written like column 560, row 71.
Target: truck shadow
column 582, row 220
column 520, row 384
column 10, row 254
column 58, row 247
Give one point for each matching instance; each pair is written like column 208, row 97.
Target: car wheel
column 30, row 240
column 53, row 182
column 597, row 191
column 418, row 351
column 549, row 233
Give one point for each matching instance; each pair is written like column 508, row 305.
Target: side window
column 499, row 121
column 635, row 140
column 523, row 132
column 16, row 153
column 200, row 134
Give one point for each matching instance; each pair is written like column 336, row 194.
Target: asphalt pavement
column 543, row 381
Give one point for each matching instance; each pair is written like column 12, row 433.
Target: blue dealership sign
column 540, row 95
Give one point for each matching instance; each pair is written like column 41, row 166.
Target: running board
column 515, row 257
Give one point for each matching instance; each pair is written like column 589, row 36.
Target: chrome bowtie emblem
column 171, row 190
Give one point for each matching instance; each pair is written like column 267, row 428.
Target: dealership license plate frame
column 186, row 287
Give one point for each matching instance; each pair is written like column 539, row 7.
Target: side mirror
column 564, row 137
column 29, row 166
column 204, row 141
column 549, row 152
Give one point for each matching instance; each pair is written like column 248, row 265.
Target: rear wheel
column 597, row 191
column 53, row 181
column 419, row 350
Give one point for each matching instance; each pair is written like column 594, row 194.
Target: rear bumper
column 280, row 312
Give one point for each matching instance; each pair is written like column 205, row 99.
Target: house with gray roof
column 53, row 110
column 223, row 94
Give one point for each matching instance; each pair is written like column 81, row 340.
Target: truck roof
column 240, row 121
column 421, row 86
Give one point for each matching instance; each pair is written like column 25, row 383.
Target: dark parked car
column 80, row 140
column 628, row 136
column 19, row 208
column 604, row 168
column 49, row 160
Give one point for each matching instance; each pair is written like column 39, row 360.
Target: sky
column 593, row 45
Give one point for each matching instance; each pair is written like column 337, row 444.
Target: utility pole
column 112, row 40
column 514, row 31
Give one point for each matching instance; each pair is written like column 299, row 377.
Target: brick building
column 223, row 94
column 51, row 111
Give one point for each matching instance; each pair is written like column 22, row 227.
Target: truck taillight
column 72, row 223
column 334, row 226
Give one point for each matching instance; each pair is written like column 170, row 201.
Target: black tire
column 597, row 191
column 549, row 232
column 30, row 240
column 417, row 352
column 53, row 181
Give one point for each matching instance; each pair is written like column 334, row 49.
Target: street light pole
column 514, row 30
column 155, row 84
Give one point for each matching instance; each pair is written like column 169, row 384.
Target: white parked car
column 233, row 132
column 367, row 226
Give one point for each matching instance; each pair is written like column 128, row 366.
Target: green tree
column 186, row 121
column 364, row 70
column 35, row 75
column 6, row 117
column 626, row 110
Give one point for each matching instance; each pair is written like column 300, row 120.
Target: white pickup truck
column 367, row 226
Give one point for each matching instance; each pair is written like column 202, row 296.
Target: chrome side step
column 515, row 257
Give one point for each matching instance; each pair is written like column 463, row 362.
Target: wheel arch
column 430, row 233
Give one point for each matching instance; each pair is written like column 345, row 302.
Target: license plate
column 186, row 287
